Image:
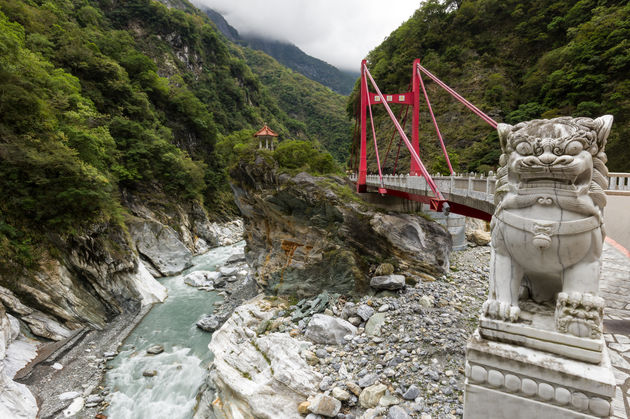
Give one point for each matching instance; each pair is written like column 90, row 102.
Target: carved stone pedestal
column 536, row 328
column 504, row 380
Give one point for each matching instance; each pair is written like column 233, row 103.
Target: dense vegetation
column 99, row 97
column 321, row 110
column 516, row 60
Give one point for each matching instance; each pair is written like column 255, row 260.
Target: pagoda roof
column 265, row 132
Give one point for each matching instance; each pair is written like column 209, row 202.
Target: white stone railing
column 470, row 186
column 618, row 184
column 477, row 186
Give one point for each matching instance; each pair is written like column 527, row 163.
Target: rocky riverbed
column 398, row 353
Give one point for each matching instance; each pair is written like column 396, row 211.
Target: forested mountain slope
column 100, row 99
column 516, row 60
column 289, row 55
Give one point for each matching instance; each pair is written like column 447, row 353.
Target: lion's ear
column 504, row 130
column 603, row 125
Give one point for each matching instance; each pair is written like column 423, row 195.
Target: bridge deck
column 475, row 195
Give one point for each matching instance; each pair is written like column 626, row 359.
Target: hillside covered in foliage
column 289, row 55
column 103, row 98
column 516, row 60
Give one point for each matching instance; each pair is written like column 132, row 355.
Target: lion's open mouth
column 548, row 183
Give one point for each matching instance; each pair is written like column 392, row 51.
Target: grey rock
column 340, row 394
column 388, row 282
column 365, row 311
column 325, row 384
column 349, row 310
column 161, row 245
column 238, row 257
column 370, row 396
column 397, row 412
column 427, row 301
column 209, row 323
column 368, row 380
column 321, row 353
column 353, row 387
column 374, row 325
column 155, row 349
column 94, row 398
column 388, row 400
column 324, row 405
column 228, row 271
column 69, row 395
column 412, row 392
column 201, row 278
column 246, row 368
column 328, row 330
column 355, row 321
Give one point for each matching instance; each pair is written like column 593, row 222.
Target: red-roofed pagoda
column 266, row 133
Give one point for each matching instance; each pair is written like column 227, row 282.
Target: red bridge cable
column 406, row 108
column 397, row 154
column 435, row 124
column 378, row 160
column 414, row 155
column 404, row 123
column 457, row 96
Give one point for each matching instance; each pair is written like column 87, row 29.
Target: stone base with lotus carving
column 504, row 380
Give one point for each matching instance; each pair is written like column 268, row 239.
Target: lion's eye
column 557, row 151
column 524, row 148
column 538, row 151
column 573, row 148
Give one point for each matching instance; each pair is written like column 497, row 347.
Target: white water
column 182, row 366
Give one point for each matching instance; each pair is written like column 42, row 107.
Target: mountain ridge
column 290, row 55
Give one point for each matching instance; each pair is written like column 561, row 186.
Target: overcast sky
column 340, row 32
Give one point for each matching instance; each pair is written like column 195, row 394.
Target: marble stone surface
column 505, row 380
column 547, row 231
column 540, row 350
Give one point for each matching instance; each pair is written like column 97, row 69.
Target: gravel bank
column 83, row 364
column 419, row 352
column 395, row 354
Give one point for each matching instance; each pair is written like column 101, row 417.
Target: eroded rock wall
column 306, row 234
column 107, row 269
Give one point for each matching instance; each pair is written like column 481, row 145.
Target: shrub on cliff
column 296, row 156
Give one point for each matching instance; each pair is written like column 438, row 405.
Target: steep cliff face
column 305, row 234
column 89, row 278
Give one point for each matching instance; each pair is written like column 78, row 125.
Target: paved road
column 615, row 288
column 617, row 219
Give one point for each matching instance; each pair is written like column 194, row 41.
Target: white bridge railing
column 618, row 184
column 476, row 186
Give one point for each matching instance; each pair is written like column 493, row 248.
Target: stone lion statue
column 547, row 229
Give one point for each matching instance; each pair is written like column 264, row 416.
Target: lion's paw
column 501, row 310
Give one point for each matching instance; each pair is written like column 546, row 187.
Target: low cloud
column 340, row 32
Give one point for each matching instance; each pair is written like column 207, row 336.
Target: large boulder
column 388, row 282
column 306, row 234
column 329, row 330
column 160, row 244
column 256, row 376
column 201, row 278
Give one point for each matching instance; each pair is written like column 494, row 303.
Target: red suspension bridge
column 470, row 195
column 432, row 194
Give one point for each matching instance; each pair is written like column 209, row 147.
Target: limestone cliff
column 305, row 234
column 88, row 278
